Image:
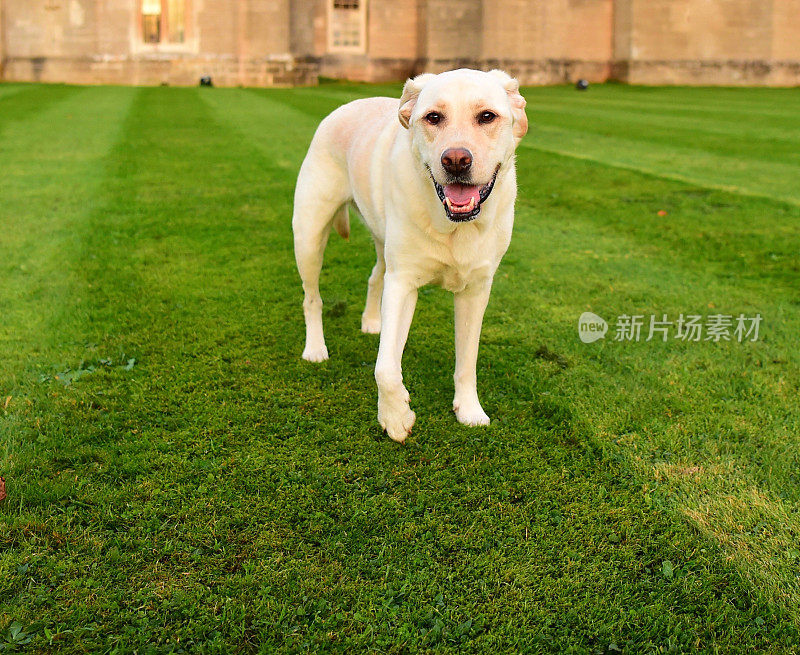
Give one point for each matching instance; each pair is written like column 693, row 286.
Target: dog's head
column 465, row 125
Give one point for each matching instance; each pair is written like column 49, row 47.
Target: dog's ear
column 411, row 92
column 517, row 103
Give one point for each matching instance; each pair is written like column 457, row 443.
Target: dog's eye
column 486, row 117
column 433, row 117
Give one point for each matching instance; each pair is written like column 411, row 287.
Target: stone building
column 265, row 42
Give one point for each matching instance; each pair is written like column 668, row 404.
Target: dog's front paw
column 470, row 414
column 397, row 419
column 319, row 354
column 398, row 428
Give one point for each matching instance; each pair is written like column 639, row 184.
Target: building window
column 164, row 21
column 347, row 25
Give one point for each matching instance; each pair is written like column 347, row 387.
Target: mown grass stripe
column 272, row 122
column 677, row 100
column 719, row 118
column 756, row 141
column 318, row 102
column 759, row 179
column 8, row 89
column 699, row 232
column 53, row 169
column 27, row 101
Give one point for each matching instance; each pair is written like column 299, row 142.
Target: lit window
column 347, row 25
column 151, row 21
column 163, row 21
column 177, row 20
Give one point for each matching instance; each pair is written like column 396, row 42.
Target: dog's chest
column 465, row 256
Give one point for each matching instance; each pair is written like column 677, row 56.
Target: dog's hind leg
column 371, row 318
column 321, row 191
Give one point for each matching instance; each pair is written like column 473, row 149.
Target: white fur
column 362, row 154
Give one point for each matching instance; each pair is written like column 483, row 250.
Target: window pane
column 177, row 20
column 347, row 24
column 151, row 28
column 151, row 21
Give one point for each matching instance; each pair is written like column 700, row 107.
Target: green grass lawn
column 179, row 480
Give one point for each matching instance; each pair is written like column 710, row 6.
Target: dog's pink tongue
column 460, row 194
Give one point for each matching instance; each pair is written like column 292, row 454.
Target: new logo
column 591, row 327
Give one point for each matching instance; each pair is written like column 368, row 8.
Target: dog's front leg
column 470, row 305
column 397, row 310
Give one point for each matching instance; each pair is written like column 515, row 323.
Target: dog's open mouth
column 462, row 202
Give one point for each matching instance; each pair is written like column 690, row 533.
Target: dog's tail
column 341, row 221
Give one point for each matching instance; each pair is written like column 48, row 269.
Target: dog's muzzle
column 462, row 202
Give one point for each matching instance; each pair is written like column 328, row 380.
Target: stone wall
column 539, row 42
column 2, row 39
column 266, row 42
column 237, row 42
column 724, row 42
column 170, row 70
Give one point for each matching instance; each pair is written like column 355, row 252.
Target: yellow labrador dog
column 433, row 178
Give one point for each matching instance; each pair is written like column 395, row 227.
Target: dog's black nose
column 456, row 160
